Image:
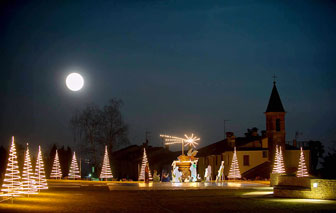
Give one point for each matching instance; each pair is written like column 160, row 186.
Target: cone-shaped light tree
column 74, row 172
column 302, row 169
column 276, row 161
column 28, row 178
column 143, row 165
column 279, row 166
column 11, row 184
column 40, row 178
column 56, row 171
column 234, row 172
column 106, row 169
column 281, row 162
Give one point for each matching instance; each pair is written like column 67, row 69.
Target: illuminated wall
column 294, row 187
column 255, row 158
column 291, row 158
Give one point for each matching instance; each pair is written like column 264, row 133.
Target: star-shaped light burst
column 187, row 141
column 191, row 140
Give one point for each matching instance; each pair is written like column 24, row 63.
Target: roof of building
column 213, row 149
column 274, row 103
column 222, row 146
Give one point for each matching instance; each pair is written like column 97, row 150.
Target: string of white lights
column 187, row 141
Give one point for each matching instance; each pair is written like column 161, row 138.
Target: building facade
column 255, row 152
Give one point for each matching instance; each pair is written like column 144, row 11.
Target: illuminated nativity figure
column 207, row 175
column 176, row 175
column 156, row 176
column 165, row 177
column 220, row 176
column 147, row 173
column 193, row 172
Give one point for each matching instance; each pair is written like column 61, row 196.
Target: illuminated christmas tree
column 276, row 161
column 40, row 178
column 279, row 166
column 281, row 162
column 143, row 165
column 11, row 185
column 106, row 169
column 302, row 169
column 56, row 171
column 28, row 178
column 234, row 172
column 74, row 171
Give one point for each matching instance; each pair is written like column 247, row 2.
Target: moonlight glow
column 74, row 81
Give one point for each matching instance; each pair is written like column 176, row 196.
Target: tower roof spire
column 274, row 77
column 274, row 103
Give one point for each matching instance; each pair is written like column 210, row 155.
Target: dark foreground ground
column 100, row 199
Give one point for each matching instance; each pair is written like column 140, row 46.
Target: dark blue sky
column 179, row 66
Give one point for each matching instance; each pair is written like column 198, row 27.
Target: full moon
column 74, row 81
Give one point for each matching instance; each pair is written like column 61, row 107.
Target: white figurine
column 176, row 175
column 207, row 175
column 193, row 172
column 220, row 176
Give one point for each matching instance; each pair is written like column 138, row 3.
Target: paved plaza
column 182, row 186
column 85, row 196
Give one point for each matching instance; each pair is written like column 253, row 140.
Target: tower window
column 246, row 160
column 277, row 125
column 264, row 154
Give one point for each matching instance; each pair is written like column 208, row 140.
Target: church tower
column 275, row 122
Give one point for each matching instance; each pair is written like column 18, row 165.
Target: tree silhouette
column 316, row 153
column 50, row 160
column 328, row 165
column 94, row 127
column 65, row 156
column 3, row 162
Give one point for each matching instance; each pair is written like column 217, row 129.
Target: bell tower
column 275, row 122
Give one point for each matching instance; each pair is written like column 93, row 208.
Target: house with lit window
column 255, row 151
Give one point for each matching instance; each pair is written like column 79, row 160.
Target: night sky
column 179, row 66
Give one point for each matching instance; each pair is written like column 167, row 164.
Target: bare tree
column 113, row 129
column 94, row 127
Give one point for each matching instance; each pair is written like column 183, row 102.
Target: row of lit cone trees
column 74, row 172
column 278, row 167
column 56, row 171
column 234, row 172
column 32, row 182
